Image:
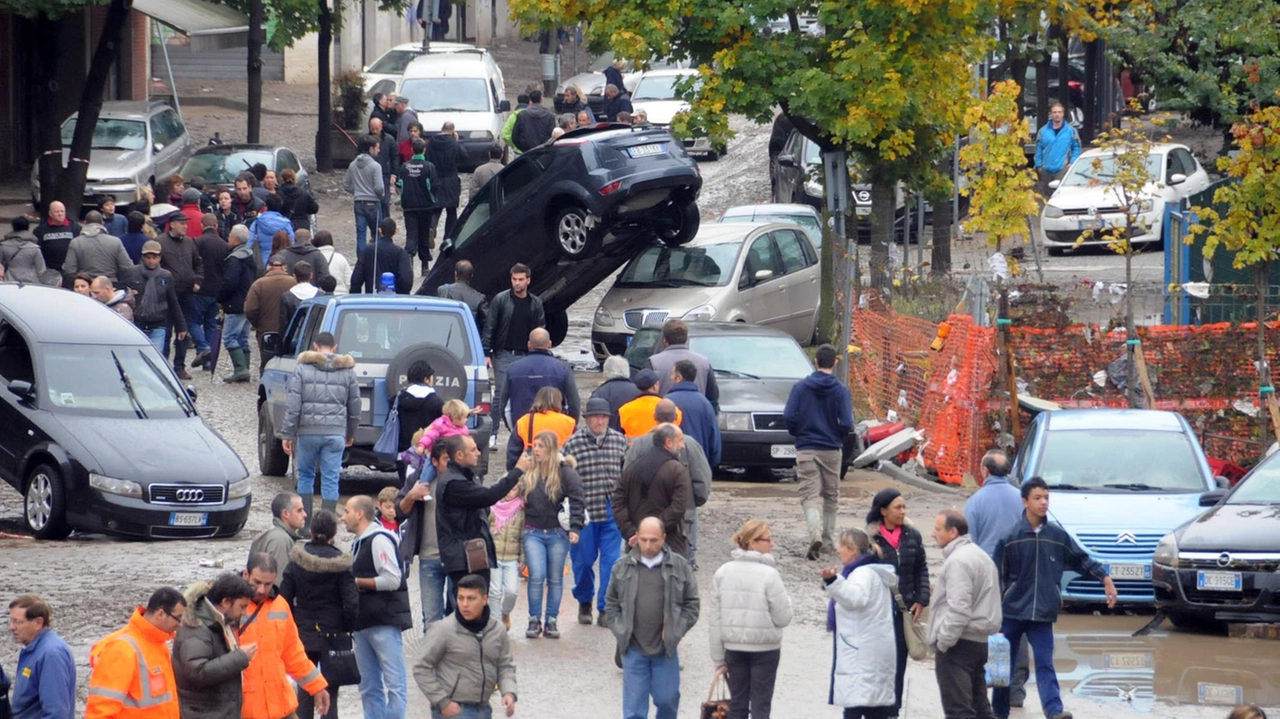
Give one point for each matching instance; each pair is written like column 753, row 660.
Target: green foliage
column 52, row 9
column 1250, row 226
column 1001, row 186
column 1124, row 167
column 348, row 90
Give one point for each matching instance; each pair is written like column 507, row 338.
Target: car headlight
column 604, row 317
column 1145, row 205
column 236, row 490
column 813, row 187
column 701, row 312
column 1051, row 212
column 111, row 485
column 118, row 181
column 734, row 421
column 1167, row 551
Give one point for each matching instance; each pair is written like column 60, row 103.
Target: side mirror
column 504, row 106
column 1211, row 499
column 271, row 343
column 1177, row 178
column 762, row 275
column 786, row 160
column 191, row 392
column 158, row 146
column 22, row 389
column 1055, row 184
column 1222, row 482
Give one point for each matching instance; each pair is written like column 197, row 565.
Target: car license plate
column 782, row 451
column 1218, row 581
column 1221, row 694
column 863, row 210
column 1129, row 571
column 1091, row 224
column 646, row 150
column 186, row 519
column 1132, row 660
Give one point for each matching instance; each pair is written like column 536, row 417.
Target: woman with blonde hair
column 746, row 612
column 861, row 616
column 545, row 487
column 544, row 414
column 1247, row 711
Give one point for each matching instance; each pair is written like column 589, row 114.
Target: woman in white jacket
column 339, row 267
column 861, row 615
column 746, row 611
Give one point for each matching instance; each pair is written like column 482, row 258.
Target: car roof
column 438, row 46
column 50, row 315
column 773, row 208
column 1115, row 419
column 1161, row 147
column 227, row 149
column 129, row 109
column 454, row 64
column 385, row 301
column 724, row 329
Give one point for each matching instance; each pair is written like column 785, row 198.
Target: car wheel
column 272, row 461
column 557, row 326
column 45, row 504
column 450, row 382
column 1189, row 622
column 680, row 224
column 574, row 239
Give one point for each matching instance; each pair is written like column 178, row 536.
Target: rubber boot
column 813, row 520
column 829, row 528
column 329, row 504
column 180, row 358
column 308, row 503
column 240, row 366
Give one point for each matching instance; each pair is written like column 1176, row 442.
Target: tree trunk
column 1133, row 389
column 45, row 91
column 253, row 132
column 1042, row 89
column 882, row 214
column 1018, row 73
column 71, row 185
column 324, row 135
column 828, row 308
column 1260, row 274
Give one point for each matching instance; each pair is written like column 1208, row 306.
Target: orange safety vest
column 267, row 692
column 562, row 424
column 636, row 416
column 132, row 676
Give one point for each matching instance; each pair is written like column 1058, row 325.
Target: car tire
column 272, row 460
column 680, row 224
column 1056, row 251
column 44, row 504
column 451, row 379
column 1189, row 622
column 557, row 326
column 573, row 239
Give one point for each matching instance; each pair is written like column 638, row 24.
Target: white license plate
column 1091, row 224
column 1129, row 571
column 1218, row 581
column 1221, row 694
column 646, row 150
column 1133, row 660
column 782, row 451
column 862, row 210
column 184, row 519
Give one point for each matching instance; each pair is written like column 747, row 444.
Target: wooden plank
column 1140, row 361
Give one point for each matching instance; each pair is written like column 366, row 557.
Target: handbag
column 915, row 632
column 477, row 554
column 388, row 443
column 717, row 704
column 338, row 662
column 565, row 516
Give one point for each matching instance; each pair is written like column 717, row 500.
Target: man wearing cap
column 191, row 207
column 203, row 322
column 405, row 116
column 599, row 451
column 157, row 308
column 181, row 258
column 636, row 416
column 262, row 304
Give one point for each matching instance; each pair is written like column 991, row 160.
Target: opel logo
column 1126, row 538
column 1093, row 211
column 1224, row 559
column 190, row 495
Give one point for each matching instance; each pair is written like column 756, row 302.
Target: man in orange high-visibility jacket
column 268, row 622
column 132, row 676
column 636, row 416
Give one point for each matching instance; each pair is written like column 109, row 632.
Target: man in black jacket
column 213, row 252
column 181, row 258
column 513, row 314
column 239, row 270
column 207, row 658
column 447, row 155
column 417, row 180
column 386, row 160
column 303, row 251
column 158, row 309
column 381, row 257
column 534, row 125
column 461, row 290
column 616, row 100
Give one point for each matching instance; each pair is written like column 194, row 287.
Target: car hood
column 753, row 395
column 104, row 163
column 590, row 82
column 1103, row 511
column 183, row 450
column 675, row 300
column 661, row 112
column 462, row 121
column 1075, row 198
column 1233, row 527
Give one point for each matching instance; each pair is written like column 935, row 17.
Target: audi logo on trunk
column 189, row 495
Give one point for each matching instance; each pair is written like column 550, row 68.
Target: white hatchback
column 1087, row 199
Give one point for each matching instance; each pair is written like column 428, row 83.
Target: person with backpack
column 417, row 179
column 158, row 308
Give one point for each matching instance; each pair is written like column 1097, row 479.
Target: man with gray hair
column 656, row 484
column 615, row 101
column 95, row 252
column 617, row 389
column 567, row 122
column 239, row 270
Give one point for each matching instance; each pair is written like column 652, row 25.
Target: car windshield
column 393, row 63
column 221, row 168
column 111, row 134
column 660, row 87
column 1261, row 487
column 701, row 266
column 1120, row 460
column 753, row 356
column 447, row 94
column 121, row 382
column 1101, row 170
column 380, row 335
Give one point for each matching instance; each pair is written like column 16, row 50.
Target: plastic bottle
column 998, row 661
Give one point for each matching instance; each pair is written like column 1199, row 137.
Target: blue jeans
column 642, row 677
column 504, row 587
column 203, row 321
column 544, row 553
column 469, row 711
column 368, row 217
column 327, row 450
column 380, row 656
column 156, row 335
column 1040, row 635
column 599, row 539
column 235, row 332
column 431, row 577
column 502, row 361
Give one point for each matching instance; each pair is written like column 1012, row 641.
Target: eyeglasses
column 175, row 617
column 15, row 622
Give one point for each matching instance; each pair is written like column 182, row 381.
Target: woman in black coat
column 321, row 590
column 299, row 205
column 901, row 545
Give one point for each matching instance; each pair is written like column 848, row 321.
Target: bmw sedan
column 1225, row 564
column 97, row 434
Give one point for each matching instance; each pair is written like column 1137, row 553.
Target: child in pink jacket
column 452, row 423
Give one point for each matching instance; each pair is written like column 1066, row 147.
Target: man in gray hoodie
column 20, row 256
column 95, row 252
column 364, row 181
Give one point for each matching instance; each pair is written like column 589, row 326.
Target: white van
column 464, row 88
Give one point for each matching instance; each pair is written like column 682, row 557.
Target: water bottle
column 388, row 283
column 998, row 661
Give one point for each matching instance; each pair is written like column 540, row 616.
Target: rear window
column 380, row 335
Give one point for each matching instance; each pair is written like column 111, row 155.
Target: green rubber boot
column 240, row 366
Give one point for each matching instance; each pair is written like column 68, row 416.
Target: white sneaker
column 493, row 443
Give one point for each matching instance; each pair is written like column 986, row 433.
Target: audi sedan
column 1225, row 564
column 97, row 434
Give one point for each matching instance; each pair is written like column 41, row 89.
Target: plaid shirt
column 599, row 465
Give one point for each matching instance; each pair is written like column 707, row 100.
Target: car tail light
column 485, row 409
column 611, row 187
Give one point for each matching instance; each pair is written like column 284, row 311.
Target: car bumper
column 604, row 344
column 1066, row 231
column 132, row 517
column 1258, row 599
column 1078, row 589
column 766, row 449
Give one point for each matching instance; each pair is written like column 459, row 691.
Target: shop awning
column 194, row 18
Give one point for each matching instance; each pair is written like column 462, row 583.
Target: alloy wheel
column 39, row 501
column 572, row 233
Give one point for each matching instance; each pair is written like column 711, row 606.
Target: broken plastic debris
column 1196, row 289
column 1100, row 378
column 999, row 267
column 216, row 563
column 902, row 398
column 952, row 377
column 1246, row 406
column 891, row 416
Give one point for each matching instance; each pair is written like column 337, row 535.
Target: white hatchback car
column 1085, row 199
column 463, row 87
column 655, row 94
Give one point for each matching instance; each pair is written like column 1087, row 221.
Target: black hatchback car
column 574, row 210
column 1225, row 564
column 97, row 434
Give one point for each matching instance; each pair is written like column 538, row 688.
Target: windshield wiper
column 128, row 387
column 182, row 402
column 734, row 373
column 451, row 109
column 1136, row 487
column 1066, row 487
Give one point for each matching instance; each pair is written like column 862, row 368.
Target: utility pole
column 253, row 133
